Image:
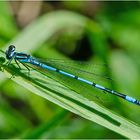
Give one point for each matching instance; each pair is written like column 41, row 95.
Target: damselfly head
column 10, row 51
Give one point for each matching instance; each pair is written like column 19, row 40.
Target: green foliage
column 112, row 41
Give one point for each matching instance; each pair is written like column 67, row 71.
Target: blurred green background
column 111, row 36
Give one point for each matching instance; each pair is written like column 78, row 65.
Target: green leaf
column 38, row 83
column 48, row 88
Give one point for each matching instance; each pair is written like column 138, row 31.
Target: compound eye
column 11, row 48
column 10, row 51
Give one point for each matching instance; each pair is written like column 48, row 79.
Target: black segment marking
column 93, row 84
column 75, row 77
column 57, row 70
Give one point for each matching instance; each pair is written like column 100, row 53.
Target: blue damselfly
column 23, row 58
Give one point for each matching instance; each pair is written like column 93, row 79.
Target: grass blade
column 57, row 93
